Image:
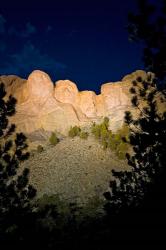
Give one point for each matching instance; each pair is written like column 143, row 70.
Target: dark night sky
column 84, row 42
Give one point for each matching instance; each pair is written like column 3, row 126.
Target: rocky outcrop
column 41, row 104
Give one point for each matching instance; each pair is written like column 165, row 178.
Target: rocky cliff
column 41, row 104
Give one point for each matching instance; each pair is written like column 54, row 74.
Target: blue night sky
column 84, row 42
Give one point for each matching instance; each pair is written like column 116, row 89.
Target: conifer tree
column 15, row 192
column 148, row 130
column 148, row 140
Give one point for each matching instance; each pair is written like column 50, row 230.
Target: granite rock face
column 41, row 104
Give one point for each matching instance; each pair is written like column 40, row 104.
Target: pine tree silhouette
column 135, row 195
column 148, row 140
column 15, row 192
column 148, row 27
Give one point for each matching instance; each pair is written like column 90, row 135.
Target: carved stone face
column 114, row 96
column 40, row 105
column 66, row 91
column 39, row 85
column 87, row 103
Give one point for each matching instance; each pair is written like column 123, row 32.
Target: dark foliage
column 148, row 26
column 15, row 192
column 136, row 201
column 137, row 198
column 148, row 140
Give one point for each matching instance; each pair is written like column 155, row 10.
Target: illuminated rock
column 65, row 91
column 43, row 105
column 86, row 101
column 39, row 85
